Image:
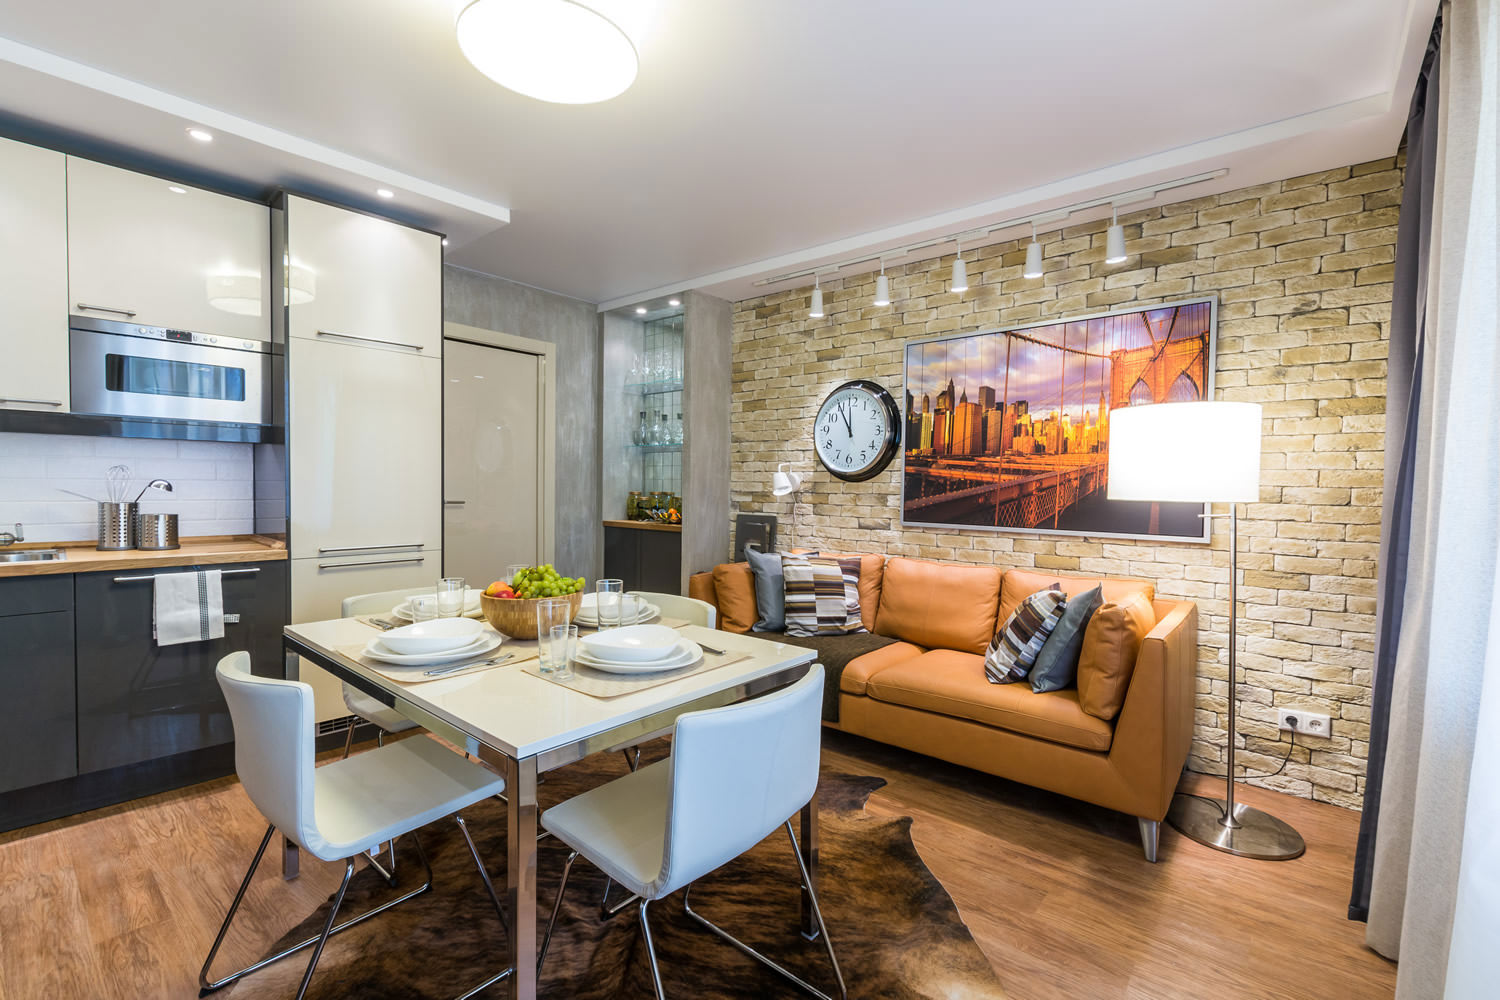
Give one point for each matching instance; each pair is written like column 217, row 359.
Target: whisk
column 118, row 483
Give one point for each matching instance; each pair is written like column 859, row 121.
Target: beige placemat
column 511, row 652
column 601, row 684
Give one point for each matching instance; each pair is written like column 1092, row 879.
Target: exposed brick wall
column 1302, row 268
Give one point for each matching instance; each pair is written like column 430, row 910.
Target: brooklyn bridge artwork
column 1009, row 429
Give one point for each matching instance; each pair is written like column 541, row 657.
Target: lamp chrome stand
column 1229, row 826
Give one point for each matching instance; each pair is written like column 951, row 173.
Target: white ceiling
column 760, row 136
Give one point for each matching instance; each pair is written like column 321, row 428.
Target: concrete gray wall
column 707, row 332
column 491, row 303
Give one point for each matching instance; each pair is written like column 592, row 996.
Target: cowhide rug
column 894, row 927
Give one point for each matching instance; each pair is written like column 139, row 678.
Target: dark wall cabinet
column 38, row 728
column 644, row 559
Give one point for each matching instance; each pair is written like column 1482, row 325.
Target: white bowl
column 632, row 644
column 433, row 636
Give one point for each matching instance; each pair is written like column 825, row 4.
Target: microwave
column 129, row 370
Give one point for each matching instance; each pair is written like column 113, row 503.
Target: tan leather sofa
column 927, row 692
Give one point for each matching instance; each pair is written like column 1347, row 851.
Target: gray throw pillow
column 1056, row 665
column 770, row 589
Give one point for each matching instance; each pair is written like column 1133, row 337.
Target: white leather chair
column 735, row 775
column 385, row 719
column 341, row 810
column 676, row 606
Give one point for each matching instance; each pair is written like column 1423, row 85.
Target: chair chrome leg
column 205, row 987
column 606, row 911
column 387, row 871
column 348, row 741
column 1150, row 836
column 379, row 737
column 650, row 953
column 807, row 887
column 541, row 953
column 333, row 912
column 489, row 886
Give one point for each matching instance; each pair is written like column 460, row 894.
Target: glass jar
column 633, row 505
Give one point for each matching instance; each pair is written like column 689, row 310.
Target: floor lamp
column 1203, row 453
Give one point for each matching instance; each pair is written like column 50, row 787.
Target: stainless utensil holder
column 117, row 525
column 155, row 532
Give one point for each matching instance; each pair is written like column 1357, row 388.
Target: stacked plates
column 402, row 611
column 637, row 649
column 438, row 641
column 588, row 612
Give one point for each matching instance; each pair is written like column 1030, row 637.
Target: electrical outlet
column 1311, row 723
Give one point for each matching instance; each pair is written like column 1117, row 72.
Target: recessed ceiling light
column 553, row 50
column 674, row 303
column 445, row 241
column 176, row 189
column 385, row 192
column 640, row 310
column 201, row 134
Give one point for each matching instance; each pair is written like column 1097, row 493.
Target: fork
column 453, row 667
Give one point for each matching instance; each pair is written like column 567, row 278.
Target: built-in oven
column 124, row 369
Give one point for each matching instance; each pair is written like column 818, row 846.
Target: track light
column 882, row 287
column 1033, row 268
column 816, row 312
column 960, row 270
column 1114, row 239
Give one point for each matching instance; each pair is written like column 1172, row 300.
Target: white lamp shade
column 882, row 291
column 1185, row 452
column 960, row 275
column 784, row 481
column 816, row 312
column 1114, row 244
column 554, row 50
column 1033, row 267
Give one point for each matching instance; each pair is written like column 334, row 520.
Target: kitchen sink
column 33, row 555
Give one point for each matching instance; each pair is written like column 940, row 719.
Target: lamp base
column 1258, row 834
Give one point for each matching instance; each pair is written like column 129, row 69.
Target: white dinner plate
column 484, row 644
column 440, row 635
column 632, row 644
column 686, row 654
column 587, row 615
column 472, row 609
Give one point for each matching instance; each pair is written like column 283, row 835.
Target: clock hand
column 848, row 421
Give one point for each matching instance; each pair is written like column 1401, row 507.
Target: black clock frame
column 892, row 442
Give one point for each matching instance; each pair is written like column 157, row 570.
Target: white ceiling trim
column 213, row 119
column 1122, row 177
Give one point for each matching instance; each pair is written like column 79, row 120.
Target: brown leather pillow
column 1020, row 584
column 939, row 605
column 1110, row 645
column 734, row 588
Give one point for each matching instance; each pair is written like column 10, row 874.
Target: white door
column 33, row 279
column 372, row 281
column 146, row 250
column 363, row 451
column 492, row 460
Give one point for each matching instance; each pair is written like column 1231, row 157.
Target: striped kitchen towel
column 189, row 607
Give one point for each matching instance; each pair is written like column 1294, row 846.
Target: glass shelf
column 656, row 447
column 653, row 388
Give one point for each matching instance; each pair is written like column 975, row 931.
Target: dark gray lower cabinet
column 644, row 559
column 138, row 701
column 37, row 731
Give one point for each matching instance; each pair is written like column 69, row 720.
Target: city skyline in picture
column 1009, row 429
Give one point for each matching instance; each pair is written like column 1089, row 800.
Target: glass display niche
column 653, row 388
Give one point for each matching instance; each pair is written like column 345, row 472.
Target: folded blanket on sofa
column 835, row 652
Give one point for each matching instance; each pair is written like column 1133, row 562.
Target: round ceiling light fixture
column 559, row 51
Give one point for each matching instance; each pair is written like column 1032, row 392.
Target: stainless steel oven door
column 151, row 376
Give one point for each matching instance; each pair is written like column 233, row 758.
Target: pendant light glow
column 553, row 50
column 1033, row 268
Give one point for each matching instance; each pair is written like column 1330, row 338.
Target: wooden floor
column 123, row 902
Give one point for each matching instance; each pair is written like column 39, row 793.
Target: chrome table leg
column 808, row 858
column 520, row 873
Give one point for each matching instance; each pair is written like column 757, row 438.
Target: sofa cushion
column 822, row 595
column 1056, row 666
column 1110, row 646
column 770, row 589
column 857, row 674
column 939, row 605
column 952, row 683
column 1019, row 583
column 1017, row 643
column 734, row 588
column 871, row 574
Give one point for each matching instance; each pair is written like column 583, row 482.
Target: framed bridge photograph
column 1009, row 429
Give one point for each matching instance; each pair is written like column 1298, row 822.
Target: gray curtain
column 1403, row 401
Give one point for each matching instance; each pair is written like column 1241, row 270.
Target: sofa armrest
column 1155, row 728
column 701, row 587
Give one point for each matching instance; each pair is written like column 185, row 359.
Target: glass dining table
column 523, row 725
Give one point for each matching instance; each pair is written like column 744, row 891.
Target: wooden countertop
column 82, row 557
column 644, row 525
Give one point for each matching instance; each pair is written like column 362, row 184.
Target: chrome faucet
column 11, row 538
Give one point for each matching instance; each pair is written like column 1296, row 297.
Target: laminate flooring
column 123, row 902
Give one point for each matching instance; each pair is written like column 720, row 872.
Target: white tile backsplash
column 213, row 483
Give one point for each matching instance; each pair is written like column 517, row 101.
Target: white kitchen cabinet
column 33, row 278
column 146, row 250
column 364, row 450
column 368, row 282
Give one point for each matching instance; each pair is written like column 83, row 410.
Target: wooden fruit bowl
column 516, row 616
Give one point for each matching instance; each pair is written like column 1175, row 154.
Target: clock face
column 856, row 432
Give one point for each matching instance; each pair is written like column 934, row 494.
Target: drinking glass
column 549, row 612
column 607, row 595
column 451, row 594
column 424, row 607
column 557, row 650
column 514, row 570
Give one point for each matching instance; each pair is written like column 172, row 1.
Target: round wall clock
column 858, row 430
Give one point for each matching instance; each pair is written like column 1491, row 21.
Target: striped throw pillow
column 822, row 595
column 1013, row 650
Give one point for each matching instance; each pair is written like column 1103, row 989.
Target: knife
column 452, row 667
